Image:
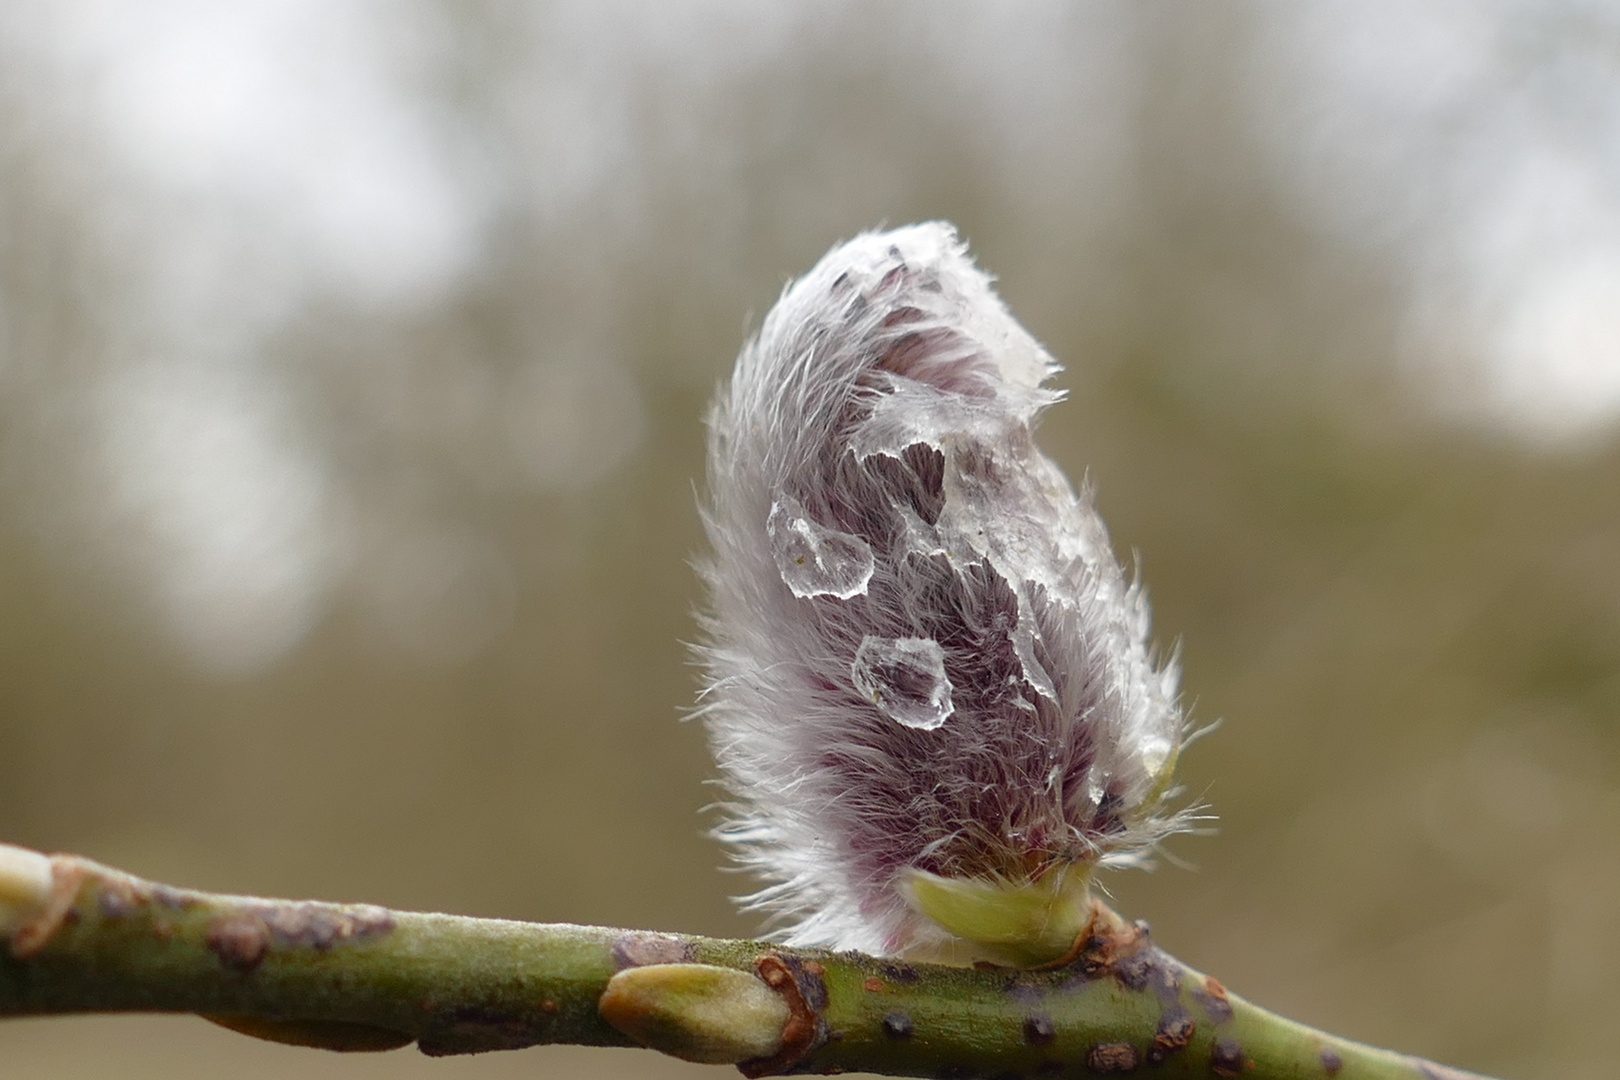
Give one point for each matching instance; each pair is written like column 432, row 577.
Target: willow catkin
column 930, row 687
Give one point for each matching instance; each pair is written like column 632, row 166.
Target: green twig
column 79, row 937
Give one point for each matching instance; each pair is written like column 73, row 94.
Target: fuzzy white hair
column 923, row 655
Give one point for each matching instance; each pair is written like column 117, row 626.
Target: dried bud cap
column 25, row 887
column 930, row 686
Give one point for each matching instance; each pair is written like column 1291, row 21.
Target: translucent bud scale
column 930, row 688
column 905, row 677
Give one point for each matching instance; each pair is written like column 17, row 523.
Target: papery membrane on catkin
column 923, row 655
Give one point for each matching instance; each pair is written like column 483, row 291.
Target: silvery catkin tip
column 930, row 687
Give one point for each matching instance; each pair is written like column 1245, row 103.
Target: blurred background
column 352, row 361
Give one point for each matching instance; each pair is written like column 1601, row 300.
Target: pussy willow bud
column 930, row 687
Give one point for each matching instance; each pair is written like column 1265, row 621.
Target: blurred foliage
column 1409, row 627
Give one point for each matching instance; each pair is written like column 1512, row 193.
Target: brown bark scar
column 803, row 1022
column 239, row 938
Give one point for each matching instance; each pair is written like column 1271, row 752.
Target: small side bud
column 696, row 1012
column 25, row 887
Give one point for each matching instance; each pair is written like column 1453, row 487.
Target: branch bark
column 80, row 937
